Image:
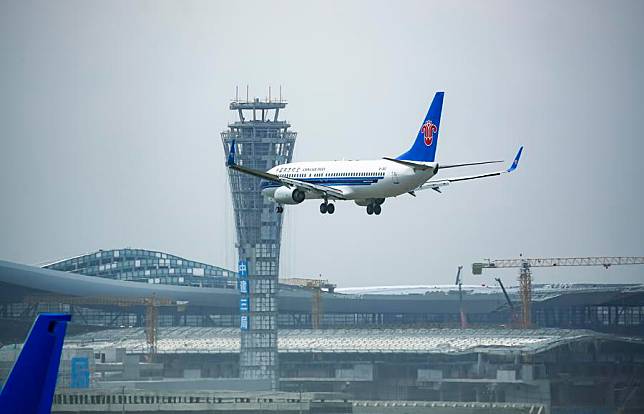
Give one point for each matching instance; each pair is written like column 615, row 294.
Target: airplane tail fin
column 424, row 147
column 231, row 155
column 29, row 389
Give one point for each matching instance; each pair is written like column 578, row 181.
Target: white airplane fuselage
column 362, row 181
column 366, row 182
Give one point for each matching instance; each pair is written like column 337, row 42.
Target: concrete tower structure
column 262, row 141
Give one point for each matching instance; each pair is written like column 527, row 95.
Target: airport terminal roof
column 539, row 291
column 18, row 281
column 191, row 340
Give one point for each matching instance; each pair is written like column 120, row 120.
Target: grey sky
column 111, row 113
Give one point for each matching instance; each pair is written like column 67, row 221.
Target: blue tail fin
column 424, row 147
column 31, row 384
column 231, row 155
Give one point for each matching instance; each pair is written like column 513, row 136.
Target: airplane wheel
column 323, row 208
column 377, row 209
column 279, row 209
column 370, row 209
column 330, row 209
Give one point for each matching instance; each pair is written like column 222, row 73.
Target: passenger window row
column 338, row 174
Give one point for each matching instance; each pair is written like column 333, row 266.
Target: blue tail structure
column 31, row 384
column 515, row 163
column 231, row 155
column 424, row 147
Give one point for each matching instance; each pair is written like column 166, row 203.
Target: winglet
column 515, row 163
column 32, row 381
column 231, row 155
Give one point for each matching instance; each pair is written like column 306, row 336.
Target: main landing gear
column 374, row 207
column 327, row 208
column 279, row 209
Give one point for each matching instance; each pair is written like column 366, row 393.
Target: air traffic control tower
column 262, row 141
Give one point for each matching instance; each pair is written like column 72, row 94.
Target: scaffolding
column 262, row 141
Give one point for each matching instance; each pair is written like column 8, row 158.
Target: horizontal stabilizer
column 414, row 165
column 442, row 167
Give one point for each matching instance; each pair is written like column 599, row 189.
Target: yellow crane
column 525, row 274
column 316, row 299
column 151, row 304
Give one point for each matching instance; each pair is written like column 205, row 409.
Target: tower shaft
column 262, row 142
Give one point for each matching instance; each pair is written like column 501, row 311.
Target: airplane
column 29, row 389
column 367, row 182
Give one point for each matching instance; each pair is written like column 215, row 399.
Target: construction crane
column 151, row 304
column 459, row 283
column 507, row 298
column 316, row 285
column 525, row 273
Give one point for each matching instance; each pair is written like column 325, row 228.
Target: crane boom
column 605, row 261
column 525, row 275
column 505, row 293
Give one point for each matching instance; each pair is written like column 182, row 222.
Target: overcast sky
column 111, row 113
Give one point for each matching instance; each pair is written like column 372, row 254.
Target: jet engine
column 285, row 195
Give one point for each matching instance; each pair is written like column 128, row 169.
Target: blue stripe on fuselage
column 327, row 181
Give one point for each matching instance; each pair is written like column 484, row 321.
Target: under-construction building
column 262, row 141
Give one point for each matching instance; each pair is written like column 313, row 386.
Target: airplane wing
column 29, row 389
column 437, row 184
column 315, row 188
column 323, row 190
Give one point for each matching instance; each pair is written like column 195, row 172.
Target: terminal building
column 552, row 370
column 101, row 288
column 380, row 344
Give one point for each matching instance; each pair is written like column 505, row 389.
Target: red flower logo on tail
column 428, row 129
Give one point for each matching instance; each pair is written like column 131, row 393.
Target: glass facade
column 147, row 266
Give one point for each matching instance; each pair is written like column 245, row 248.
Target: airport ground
column 369, row 353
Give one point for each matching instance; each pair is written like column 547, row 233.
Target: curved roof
column 147, row 266
column 190, row 340
column 55, row 282
column 17, row 281
column 22, row 280
column 129, row 253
